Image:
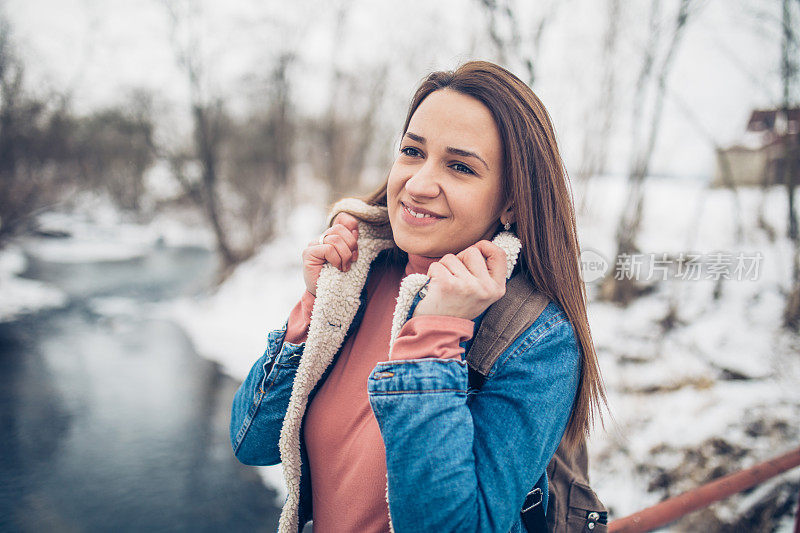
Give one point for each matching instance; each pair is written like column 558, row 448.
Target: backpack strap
column 503, row 322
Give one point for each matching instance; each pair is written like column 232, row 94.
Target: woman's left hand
column 464, row 285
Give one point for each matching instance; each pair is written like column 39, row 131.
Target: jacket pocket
column 585, row 512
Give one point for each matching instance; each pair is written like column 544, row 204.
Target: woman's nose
column 423, row 183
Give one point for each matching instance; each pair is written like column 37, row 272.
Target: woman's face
column 449, row 169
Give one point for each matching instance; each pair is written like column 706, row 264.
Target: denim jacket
column 458, row 459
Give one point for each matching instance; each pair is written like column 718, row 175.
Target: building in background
column 759, row 158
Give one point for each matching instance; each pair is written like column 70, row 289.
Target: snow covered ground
column 716, row 393
column 19, row 296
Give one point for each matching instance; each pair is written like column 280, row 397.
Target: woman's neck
column 418, row 264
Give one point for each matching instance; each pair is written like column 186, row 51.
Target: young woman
column 364, row 394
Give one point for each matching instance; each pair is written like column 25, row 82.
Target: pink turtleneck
column 345, row 449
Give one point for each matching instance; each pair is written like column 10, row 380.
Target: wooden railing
column 671, row 509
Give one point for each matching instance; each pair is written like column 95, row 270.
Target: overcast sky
column 96, row 50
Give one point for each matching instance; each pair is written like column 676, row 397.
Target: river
column 109, row 420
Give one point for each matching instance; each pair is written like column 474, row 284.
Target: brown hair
column 535, row 177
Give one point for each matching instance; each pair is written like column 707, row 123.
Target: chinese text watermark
column 684, row 266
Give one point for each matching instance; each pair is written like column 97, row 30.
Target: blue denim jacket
column 458, row 459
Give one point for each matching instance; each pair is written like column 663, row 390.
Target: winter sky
column 98, row 50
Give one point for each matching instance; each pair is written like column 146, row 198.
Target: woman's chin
column 414, row 248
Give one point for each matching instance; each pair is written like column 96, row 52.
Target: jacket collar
column 335, row 307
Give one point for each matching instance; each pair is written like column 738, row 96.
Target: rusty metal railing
column 671, row 509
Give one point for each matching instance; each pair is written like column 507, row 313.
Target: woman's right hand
column 340, row 249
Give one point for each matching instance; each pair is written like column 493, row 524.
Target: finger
column 323, row 253
column 474, row 261
column 456, row 267
column 344, row 252
column 347, row 220
column 343, row 232
column 331, row 254
column 495, row 260
column 438, row 270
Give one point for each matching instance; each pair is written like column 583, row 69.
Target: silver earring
column 506, row 226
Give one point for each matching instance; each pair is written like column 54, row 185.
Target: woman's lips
column 410, row 219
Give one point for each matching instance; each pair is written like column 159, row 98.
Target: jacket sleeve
column 459, row 461
column 260, row 402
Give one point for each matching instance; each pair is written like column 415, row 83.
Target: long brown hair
column 535, row 177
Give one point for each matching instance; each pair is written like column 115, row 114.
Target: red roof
column 764, row 119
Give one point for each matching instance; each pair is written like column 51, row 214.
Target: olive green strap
column 504, row 321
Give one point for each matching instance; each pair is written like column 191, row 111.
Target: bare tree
column 259, row 157
column 599, row 119
column 791, row 154
column 788, row 72
column 513, row 47
column 239, row 166
column 722, row 160
column 341, row 141
column 114, row 148
column 623, row 289
column 671, row 317
column 208, row 117
column 36, row 167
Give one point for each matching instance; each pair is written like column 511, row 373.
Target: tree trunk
column 597, row 133
column 791, row 313
column 623, row 289
column 207, row 144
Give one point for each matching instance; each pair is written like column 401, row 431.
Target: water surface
column 109, row 420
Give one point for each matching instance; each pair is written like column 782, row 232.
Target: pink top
column 345, row 449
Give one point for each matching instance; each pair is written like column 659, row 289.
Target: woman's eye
column 410, row 151
column 461, row 167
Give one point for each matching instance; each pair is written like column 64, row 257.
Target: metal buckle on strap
column 532, row 499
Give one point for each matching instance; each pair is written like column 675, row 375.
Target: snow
column 233, row 323
column 98, row 231
column 19, row 296
column 668, row 392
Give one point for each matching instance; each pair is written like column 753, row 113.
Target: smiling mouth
column 417, row 214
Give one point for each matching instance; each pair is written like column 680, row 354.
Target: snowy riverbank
column 19, row 296
column 91, row 230
column 716, row 393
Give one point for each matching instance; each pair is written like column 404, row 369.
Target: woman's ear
column 507, row 215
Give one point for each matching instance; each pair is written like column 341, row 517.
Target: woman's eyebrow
column 455, row 151
column 466, row 153
column 414, row 137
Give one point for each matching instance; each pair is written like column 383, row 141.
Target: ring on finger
column 322, row 237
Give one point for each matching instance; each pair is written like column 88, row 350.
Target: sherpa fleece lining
column 335, row 307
